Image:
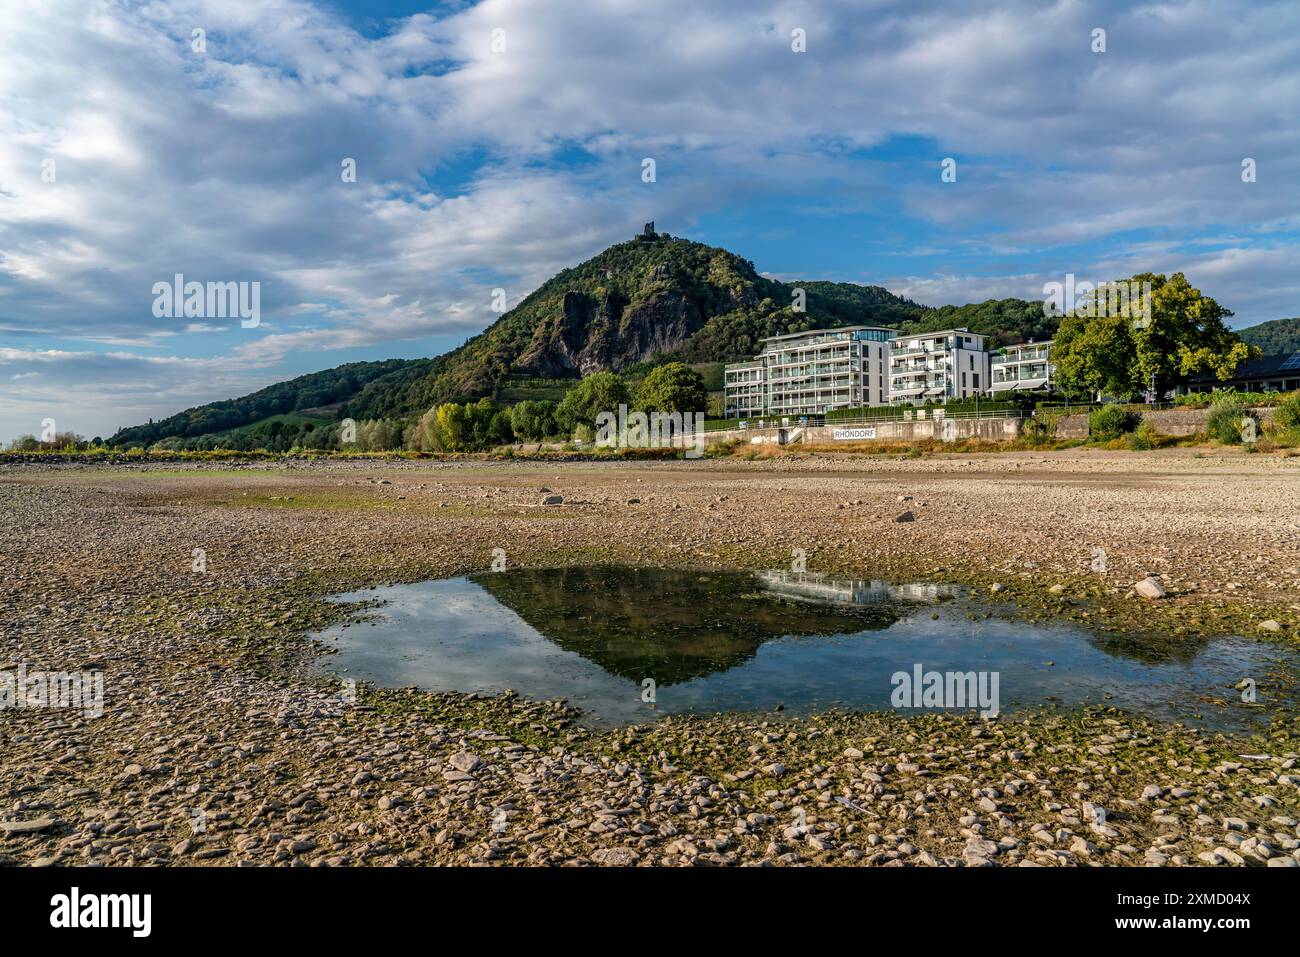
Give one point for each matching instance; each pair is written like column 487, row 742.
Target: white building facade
column 938, row 366
column 811, row 373
column 1023, row 368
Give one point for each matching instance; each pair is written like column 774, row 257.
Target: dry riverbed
column 221, row 743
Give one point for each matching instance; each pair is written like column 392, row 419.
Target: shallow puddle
column 609, row 638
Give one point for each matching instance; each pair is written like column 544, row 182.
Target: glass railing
column 1010, row 358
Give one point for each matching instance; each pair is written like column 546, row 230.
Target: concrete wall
column 1167, row 422
column 991, row 429
column 1176, row 422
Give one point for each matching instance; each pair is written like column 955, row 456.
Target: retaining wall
column 1167, row 422
column 991, row 429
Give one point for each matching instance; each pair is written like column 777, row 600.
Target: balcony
column 1019, row 356
column 918, row 351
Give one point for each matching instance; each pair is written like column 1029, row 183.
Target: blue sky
column 481, row 166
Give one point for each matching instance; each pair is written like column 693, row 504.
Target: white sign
column 854, row 434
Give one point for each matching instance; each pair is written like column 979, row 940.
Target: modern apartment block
column 953, row 364
column 811, row 373
column 745, row 390
column 1026, row 368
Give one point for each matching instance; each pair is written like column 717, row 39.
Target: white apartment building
column 1024, row 368
column 745, row 389
column 952, row 364
column 811, row 373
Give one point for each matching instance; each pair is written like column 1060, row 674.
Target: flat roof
column 822, row 332
column 943, row 332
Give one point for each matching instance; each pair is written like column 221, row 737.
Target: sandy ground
column 218, row 744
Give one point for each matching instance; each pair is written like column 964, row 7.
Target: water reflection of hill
column 672, row 625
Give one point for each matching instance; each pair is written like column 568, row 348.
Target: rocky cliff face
column 640, row 310
column 622, row 335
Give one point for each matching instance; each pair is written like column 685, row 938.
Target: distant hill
column 1007, row 321
column 310, row 391
column 652, row 299
column 1274, row 337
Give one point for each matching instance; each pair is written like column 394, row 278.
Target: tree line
column 446, row 427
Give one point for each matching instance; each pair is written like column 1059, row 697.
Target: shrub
column 1110, row 422
column 1041, row 429
column 1223, row 421
column 1144, row 438
column 1286, row 417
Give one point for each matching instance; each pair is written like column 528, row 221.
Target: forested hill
column 311, row 391
column 658, row 298
column 1275, row 337
column 648, row 300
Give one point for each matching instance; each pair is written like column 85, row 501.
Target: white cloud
column 225, row 165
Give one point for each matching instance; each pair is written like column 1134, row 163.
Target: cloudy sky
column 498, row 142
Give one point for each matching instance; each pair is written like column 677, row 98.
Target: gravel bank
column 216, row 744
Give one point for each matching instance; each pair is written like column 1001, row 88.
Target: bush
column 1223, row 421
column 1286, row 417
column 1110, row 422
column 1144, row 438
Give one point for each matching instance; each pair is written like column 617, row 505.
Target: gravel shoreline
column 219, row 744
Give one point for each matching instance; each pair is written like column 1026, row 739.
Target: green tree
column 452, row 428
column 674, row 387
column 478, row 420
column 533, row 419
column 501, row 431
column 1095, row 356
column 1186, row 335
column 597, row 393
column 1161, row 338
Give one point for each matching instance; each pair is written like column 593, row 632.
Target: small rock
column 1149, row 588
column 34, row 826
column 466, row 762
column 615, row 856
